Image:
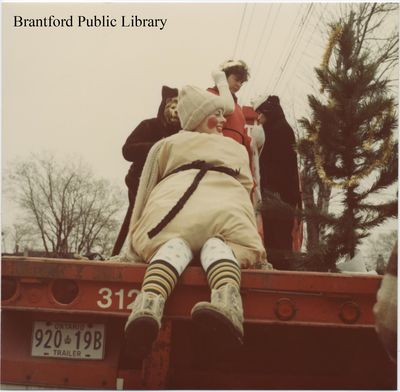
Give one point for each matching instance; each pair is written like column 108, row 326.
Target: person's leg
column 160, row 278
column 278, row 239
column 222, row 316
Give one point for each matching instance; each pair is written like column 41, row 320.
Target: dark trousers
column 278, row 238
column 123, row 232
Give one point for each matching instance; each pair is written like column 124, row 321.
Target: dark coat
column 143, row 137
column 278, row 174
column 278, row 159
column 136, row 149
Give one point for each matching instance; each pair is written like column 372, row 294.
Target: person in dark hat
column 138, row 145
column 279, row 176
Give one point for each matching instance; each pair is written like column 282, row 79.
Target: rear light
column 64, row 291
column 8, row 288
column 285, row 309
column 350, row 312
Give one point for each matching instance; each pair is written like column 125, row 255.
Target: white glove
column 219, row 78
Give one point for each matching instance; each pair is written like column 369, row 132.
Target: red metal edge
column 193, row 276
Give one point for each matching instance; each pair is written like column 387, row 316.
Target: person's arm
column 385, row 309
column 138, row 144
column 224, row 92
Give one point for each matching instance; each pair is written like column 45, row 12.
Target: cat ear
column 274, row 99
column 168, row 92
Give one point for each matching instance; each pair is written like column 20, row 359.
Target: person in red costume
column 236, row 74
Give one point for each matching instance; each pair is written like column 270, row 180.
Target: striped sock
column 160, row 278
column 223, row 272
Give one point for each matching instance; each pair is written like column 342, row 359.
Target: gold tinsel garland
column 333, row 38
column 368, row 144
column 354, row 180
column 336, row 33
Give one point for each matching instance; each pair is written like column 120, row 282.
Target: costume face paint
column 212, row 122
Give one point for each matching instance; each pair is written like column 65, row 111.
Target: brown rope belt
column 203, row 167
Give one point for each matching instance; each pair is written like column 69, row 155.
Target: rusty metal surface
column 19, row 367
column 268, row 296
column 194, row 276
column 156, row 367
column 274, row 302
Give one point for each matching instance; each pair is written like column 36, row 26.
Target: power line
column 261, row 37
column 249, row 24
column 253, row 62
column 300, row 17
column 247, row 88
column 309, row 41
column 299, row 36
column 308, row 81
column 301, row 30
column 240, row 30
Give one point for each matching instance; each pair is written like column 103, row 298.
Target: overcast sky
column 82, row 90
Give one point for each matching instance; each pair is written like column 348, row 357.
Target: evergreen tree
column 349, row 144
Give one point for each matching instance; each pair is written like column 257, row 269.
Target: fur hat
column 238, row 67
column 195, row 104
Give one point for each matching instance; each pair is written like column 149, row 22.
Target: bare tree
column 21, row 236
column 379, row 246
column 69, row 208
column 373, row 36
column 105, row 241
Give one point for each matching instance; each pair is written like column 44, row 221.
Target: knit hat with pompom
column 195, row 104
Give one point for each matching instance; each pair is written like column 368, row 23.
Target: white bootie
column 143, row 324
column 223, row 315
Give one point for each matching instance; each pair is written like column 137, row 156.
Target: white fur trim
column 232, row 63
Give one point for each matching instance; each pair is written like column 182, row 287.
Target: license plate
column 59, row 339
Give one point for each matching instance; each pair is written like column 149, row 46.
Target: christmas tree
column 349, row 147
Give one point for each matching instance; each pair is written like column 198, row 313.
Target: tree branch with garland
column 349, row 146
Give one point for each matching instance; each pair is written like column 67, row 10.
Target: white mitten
column 219, row 78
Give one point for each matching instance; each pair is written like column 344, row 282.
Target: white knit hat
column 195, row 104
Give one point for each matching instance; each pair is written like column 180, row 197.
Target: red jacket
column 235, row 126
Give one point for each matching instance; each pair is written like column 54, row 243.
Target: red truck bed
column 303, row 330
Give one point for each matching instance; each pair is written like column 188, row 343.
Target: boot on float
column 222, row 316
column 144, row 323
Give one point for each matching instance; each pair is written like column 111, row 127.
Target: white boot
column 143, row 324
column 223, row 315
